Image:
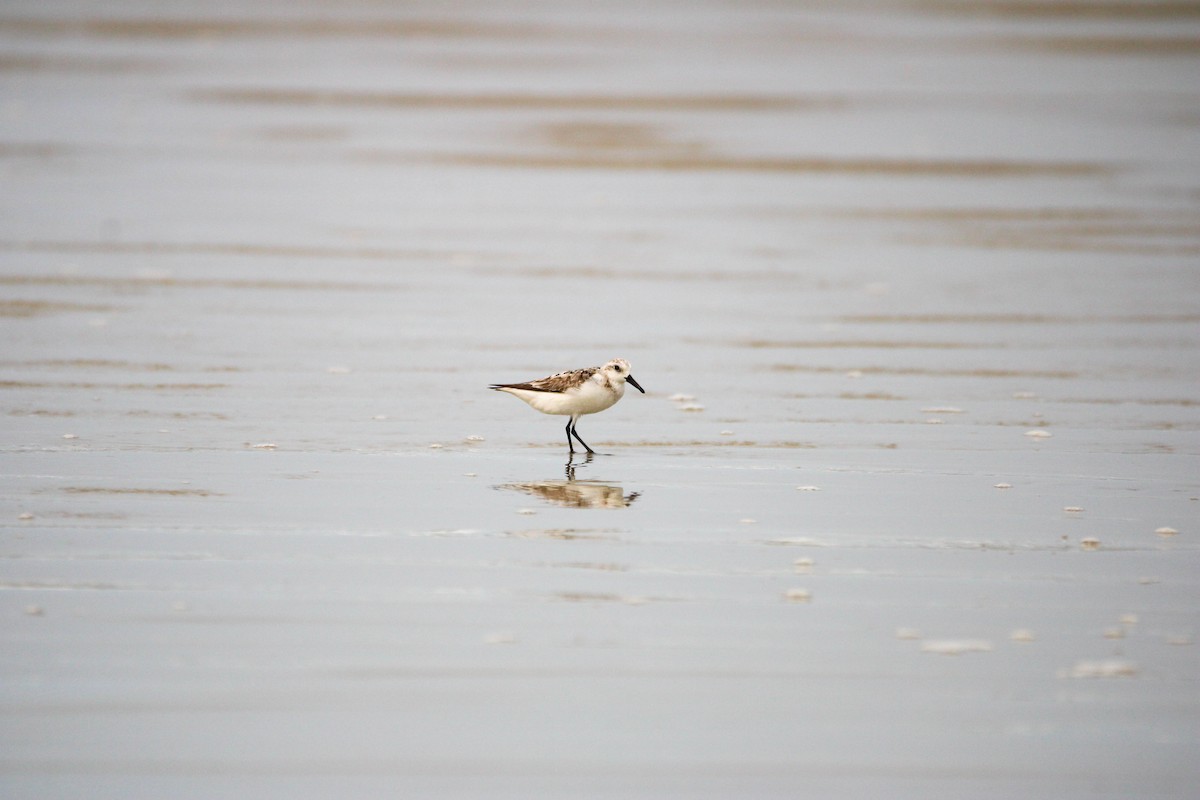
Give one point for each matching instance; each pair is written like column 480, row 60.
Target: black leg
column 572, row 430
column 570, row 444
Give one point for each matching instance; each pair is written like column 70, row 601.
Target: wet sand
column 908, row 509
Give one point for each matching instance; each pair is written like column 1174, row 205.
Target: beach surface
column 909, row 507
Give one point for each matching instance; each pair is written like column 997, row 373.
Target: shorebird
column 575, row 393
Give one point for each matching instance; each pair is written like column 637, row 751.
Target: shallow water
column 908, row 508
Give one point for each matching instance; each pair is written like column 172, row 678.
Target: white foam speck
column 1109, row 668
column 956, row 647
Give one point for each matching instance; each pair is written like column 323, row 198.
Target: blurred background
column 254, row 194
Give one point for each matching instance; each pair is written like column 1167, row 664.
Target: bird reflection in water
column 572, row 493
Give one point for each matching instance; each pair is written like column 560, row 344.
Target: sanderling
column 578, row 392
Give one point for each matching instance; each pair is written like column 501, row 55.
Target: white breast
column 589, row 397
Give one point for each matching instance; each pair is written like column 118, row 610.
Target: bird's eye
column 616, row 369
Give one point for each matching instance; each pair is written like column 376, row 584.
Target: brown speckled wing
column 555, row 383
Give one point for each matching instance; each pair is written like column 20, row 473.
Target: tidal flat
column 908, row 509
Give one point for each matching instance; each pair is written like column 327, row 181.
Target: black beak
column 636, row 385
